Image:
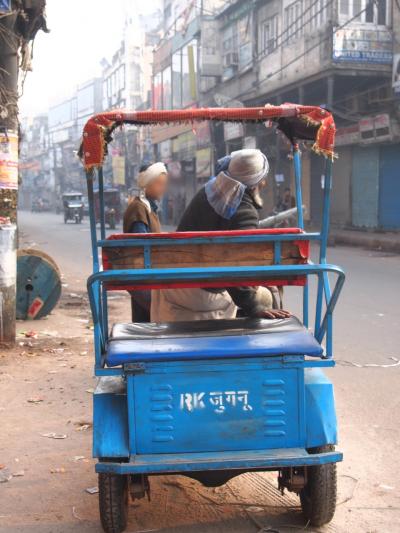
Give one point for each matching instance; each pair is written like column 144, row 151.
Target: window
column 157, row 91
column 364, row 11
column 177, row 80
column 293, row 21
column 166, row 83
column 268, row 35
column 318, row 13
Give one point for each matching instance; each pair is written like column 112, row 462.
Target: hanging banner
column 118, row 166
column 8, row 161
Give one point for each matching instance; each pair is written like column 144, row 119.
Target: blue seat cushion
column 209, row 339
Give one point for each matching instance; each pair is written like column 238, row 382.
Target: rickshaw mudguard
column 321, row 425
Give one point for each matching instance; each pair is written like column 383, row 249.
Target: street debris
column 90, row 391
column 83, row 353
column 19, row 473
column 5, row 475
column 83, row 427
column 30, row 334
column 75, row 514
column 35, row 399
column 58, row 470
column 78, row 458
column 57, row 436
column 385, row 487
column 92, row 490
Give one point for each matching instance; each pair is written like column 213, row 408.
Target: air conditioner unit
column 231, row 59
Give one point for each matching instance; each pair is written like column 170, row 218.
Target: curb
column 367, row 242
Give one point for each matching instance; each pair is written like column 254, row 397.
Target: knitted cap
column 249, row 166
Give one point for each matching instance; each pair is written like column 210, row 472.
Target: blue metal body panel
column 224, row 405
column 110, row 419
column 246, row 460
column 321, row 425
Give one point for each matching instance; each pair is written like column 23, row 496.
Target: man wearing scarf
column 229, row 201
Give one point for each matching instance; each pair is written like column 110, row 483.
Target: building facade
column 338, row 54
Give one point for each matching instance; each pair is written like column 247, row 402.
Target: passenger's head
column 250, row 167
column 153, row 180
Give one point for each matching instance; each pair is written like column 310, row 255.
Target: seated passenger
column 229, row 201
column 141, row 217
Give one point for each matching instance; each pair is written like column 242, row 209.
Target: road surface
column 58, row 370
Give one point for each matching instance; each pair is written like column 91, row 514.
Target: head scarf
column 146, row 177
column 241, row 170
column 152, row 172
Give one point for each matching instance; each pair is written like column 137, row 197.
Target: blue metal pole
column 92, row 218
column 323, row 281
column 101, row 204
column 297, row 177
column 96, row 267
column 300, row 217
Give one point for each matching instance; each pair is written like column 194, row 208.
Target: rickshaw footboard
column 272, row 459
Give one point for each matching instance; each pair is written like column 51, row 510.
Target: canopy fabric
column 297, row 122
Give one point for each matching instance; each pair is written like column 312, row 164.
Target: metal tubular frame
column 326, row 298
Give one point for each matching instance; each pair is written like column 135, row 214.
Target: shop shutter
column 389, row 187
column 365, row 186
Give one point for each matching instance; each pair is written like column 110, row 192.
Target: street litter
column 30, row 334
column 78, row 458
column 58, row 470
column 5, row 475
column 51, row 333
column 92, row 490
column 54, row 435
column 35, row 400
column 82, row 353
column 20, row 473
column 90, row 391
column 369, row 365
column 385, row 487
column 83, row 427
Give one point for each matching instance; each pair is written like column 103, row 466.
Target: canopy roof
column 297, row 122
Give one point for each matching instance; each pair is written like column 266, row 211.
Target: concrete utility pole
column 19, row 23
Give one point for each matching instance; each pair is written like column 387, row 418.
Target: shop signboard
column 233, row 130
column 8, row 160
column 360, row 44
column 118, row 166
column 396, row 73
column 203, row 163
column 165, row 150
column 347, row 135
column 187, row 146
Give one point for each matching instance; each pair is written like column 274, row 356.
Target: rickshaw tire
column 113, row 502
column 318, row 497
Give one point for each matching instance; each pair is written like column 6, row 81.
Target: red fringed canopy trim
column 97, row 129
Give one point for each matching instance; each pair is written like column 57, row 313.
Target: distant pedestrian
column 141, row 217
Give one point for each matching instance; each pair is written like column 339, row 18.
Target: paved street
column 57, row 369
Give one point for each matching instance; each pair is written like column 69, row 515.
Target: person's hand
column 273, row 313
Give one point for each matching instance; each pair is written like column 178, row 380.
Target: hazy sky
column 82, row 32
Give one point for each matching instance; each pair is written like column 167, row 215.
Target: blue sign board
column 5, row 5
column 363, row 45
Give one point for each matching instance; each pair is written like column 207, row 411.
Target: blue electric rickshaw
column 212, row 400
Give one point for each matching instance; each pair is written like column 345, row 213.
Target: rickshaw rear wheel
column 113, row 502
column 318, row 497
